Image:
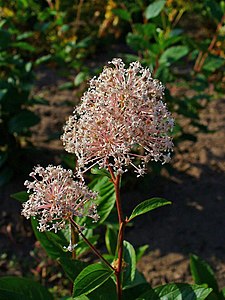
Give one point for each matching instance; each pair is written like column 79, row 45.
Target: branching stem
column 73, row 240
column 76, row 227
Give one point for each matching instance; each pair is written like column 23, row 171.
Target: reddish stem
column 118, row 201
column 202, row 57
column 76, row 227
column 112, row 174
column 120, row 260
column 73, row 240
column 122, row 224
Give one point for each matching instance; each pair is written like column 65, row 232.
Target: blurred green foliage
column 187, row 57
column 181, row 41
column 32, row 33
column 16, row 82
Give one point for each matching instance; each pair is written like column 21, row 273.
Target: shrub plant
column 121, row 124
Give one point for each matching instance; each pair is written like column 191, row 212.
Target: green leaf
column 105, row 200
column 154, row 9
column 173, row 54
column 23, row 46
column 80, row 78
column 72, row 267
column 133, row 292
column 15, row 288
column 111, row 239
column 84, row 43
column 24, row 35
column 202, row 273
column 214, row 9
column 28, row 66
column 222, row 293
column 147, row 206
column 5, row 39
column 90, row 279
column 212, row 63
column 83, row 297
column 38, row 100
column 145, row 30
column 22, row 121
column 138, row 279
column 66, row 86
column 106, row 291
column 177, row 291
column 170, row 41
column 101, row 172
column 130, row 260
column 20, row 196
column 3, row 92
column 69, row 160
column 137, row 42
column 52, row 243
column 82, row 247
column 122, row 13
column 43, row 59
column 130, row 57
column 140, row 251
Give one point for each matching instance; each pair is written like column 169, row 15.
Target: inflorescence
column 56, row 198
column 122, row 117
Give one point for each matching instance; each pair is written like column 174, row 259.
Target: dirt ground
column 194, row 223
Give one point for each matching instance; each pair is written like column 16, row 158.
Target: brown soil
column 193, row 224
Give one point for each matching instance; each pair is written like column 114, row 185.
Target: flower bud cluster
column 122, row 116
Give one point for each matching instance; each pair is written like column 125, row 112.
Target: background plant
column 16, row 116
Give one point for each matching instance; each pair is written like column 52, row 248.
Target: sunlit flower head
column 55, row 197
column 121, row 117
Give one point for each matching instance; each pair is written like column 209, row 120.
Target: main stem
column 122, row 224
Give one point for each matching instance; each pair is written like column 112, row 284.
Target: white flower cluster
column 56, row 197
column 121, row 117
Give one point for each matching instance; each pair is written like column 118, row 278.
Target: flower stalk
column 122, row 224
column 92, row 247
column 73, row 240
